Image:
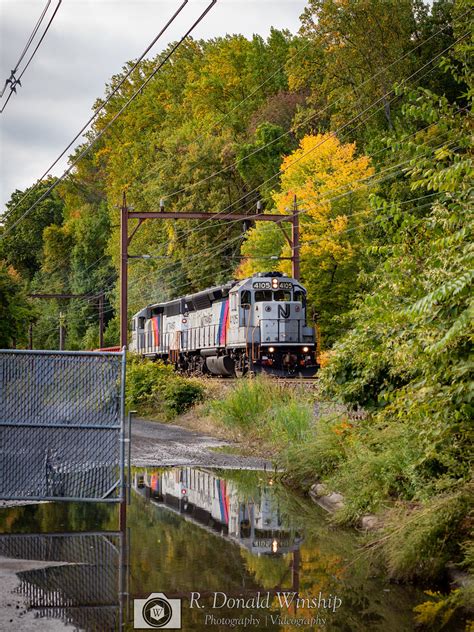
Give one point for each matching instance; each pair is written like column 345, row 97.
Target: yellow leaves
column 339, row 223
column 319, row 169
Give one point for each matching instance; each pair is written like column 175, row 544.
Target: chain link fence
column 62, row 427
column 84, row 583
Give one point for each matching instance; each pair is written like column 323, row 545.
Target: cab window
column 245, row 299
column 281, row 295
column 299, row 296
column 141, row 322
column 263, row 295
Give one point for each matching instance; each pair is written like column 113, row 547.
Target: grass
column 263, row 409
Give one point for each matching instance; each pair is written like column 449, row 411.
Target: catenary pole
column 123, row 272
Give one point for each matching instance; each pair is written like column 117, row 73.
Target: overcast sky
column 88, row 42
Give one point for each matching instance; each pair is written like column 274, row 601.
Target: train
column 215, row 504
column 253, row 325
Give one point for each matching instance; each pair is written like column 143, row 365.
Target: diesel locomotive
column 256, row 324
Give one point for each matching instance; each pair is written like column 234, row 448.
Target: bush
column 144, row 379
column 180, row 395
column 154, row 387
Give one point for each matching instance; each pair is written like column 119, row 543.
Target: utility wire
column 319, row 112
column 27, row 45
column 368, row 181
column 112, row 121
column 238, row 105
column 18, row 80
column 136, row 281
column 181, row 286
column 340, row 128
column 219, row 249
column 304, row 210
column 104, row 103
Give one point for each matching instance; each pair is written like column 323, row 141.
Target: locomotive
column 254, row 325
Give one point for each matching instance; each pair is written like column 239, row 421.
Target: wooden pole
column 62, row 332
column 101, row 319
column 295, row 241
column 123, row 272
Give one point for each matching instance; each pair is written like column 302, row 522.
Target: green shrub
column 180, row 395
column 154, row 388
column 144, row 379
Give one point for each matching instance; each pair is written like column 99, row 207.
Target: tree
column 329, row 182
column 15, row 312
column 22, row 244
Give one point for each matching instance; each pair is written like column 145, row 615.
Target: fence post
column 123, row 481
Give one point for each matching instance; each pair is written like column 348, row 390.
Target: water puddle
column 244, row 552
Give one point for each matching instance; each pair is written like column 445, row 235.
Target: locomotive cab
column 268, row 318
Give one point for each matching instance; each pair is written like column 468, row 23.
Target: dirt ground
column 14, row 615
column 158, row 444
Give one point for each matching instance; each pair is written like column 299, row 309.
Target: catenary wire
column 319, row 112
column 27, row 45
column 32, row 55
column 329, row 105
column 373, row 181
column 116, row 116
column 103, row 104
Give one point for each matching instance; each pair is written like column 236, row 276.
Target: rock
column 330, row 502
column 370, row 523
column 318, row 490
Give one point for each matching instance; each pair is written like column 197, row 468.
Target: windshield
column 268, row 295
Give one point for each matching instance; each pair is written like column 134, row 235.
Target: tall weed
column 266, row 410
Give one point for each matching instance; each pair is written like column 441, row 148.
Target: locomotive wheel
column 241, row 367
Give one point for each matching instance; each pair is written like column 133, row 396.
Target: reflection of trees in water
column 268, row 572
column 333, row 561
column 50, row 517
column 171, row 554
column 170, row 551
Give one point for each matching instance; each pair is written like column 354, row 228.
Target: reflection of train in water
column 256, row 324
column 216, row 504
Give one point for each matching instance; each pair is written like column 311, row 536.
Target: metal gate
column 62, row 426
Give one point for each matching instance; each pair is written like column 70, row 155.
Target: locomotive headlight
column 271, row 349
column 305, row 349
column 275, row 284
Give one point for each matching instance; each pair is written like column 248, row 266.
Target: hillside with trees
column 365, row 116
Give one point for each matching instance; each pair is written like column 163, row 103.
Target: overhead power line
column 17, row 80
column 115, row 117
column 27, row 45
column 104, row 103
column 335, row 134
column 312, row 116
